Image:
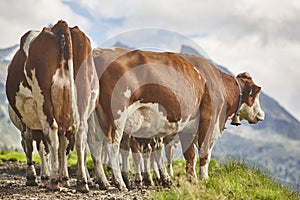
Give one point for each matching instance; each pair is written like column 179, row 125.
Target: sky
column 260, row 37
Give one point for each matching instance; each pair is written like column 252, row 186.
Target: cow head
column 250, row 109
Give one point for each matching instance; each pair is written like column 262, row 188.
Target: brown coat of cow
column 149, row 94
column 52, row 87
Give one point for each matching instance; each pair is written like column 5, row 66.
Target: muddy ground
column 12, row 186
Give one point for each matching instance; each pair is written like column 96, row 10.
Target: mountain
column 9, row 136
column 7, row 54
column 273, row 145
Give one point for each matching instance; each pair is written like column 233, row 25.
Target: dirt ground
column 12, row 186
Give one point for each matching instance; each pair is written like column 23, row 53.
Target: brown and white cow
column 52, row 87
column 155, row 94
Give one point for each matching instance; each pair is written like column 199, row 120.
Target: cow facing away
column 52, row 87
column 156, row 94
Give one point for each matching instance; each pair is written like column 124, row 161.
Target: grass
column 231, row 180
column 20, row 157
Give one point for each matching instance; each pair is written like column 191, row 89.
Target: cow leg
column 164, row 176
column 188, row 150
column 147, row 179
column 137, row 161
column 44, row 156
column 63, row 167
column 169, row 155
column 124, row 151
column 204, row 163
column 113, row 152
column 52, row 137
column 154, row 166
column 81, row 141
column 31, row 179
column 95, row 142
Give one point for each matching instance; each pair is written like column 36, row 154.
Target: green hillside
column 231, row 180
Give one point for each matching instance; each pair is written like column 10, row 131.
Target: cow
column 156, row 94
column 52, row 88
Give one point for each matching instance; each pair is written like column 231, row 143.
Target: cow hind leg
column 81, row 142
column 31, row 179
column 63, row 165
column 53, row 141
column 44, row 156
column 124, row 151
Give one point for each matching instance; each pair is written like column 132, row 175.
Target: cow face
column 250, row 109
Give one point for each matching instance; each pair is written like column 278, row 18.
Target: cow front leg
column 164, row 176
column 81, row 141
column 31, row 179
column 147, row 178
column 204, row 163
column 188, row 150
column 169, row 155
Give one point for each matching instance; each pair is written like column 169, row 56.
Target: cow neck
column 240, row 97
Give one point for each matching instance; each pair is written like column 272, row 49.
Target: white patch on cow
column 37, row 101
column 204, row 169
column 29, row 38
column 145, row 120
column 28, row 108
column 254, row 113
column 127, row 93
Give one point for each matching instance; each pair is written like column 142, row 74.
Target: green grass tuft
column 232, row 180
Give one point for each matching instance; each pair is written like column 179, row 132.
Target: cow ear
column 244, row 75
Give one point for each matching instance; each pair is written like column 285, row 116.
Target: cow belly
column 144, row 120
column 27, row 107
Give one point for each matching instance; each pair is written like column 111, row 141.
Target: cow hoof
column 44, row 181
column 148, row 182
column 65, row 183
column 136, row 184
column 167, row 182
column 191, row 178
column 82, row 187
column 31, row 181
column 53, row 185
column 102, row 185
column 126, row 180
column 121, row 187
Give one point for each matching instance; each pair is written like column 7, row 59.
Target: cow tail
column 65, row 42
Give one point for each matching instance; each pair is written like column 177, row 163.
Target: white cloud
column 17, row 17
